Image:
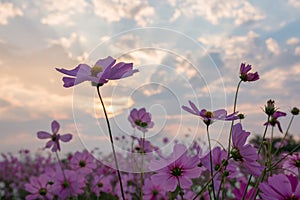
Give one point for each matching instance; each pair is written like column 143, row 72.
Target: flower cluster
column 267, row 168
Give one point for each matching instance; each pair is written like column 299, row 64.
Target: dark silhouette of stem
column 111, row 142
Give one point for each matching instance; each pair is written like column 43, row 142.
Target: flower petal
column 55, row 126
column 66, row 137
column 43, row 135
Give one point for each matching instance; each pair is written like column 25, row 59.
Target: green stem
column 211, row 179
column 180, row 189
column 286, row 132
column 259, row 149
column 210, row 160
column 142, row 165
column 270, row 150
column 60, row 165
column 111, row 142
column 234, row 109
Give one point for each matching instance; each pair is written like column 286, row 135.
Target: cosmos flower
column 103, row 71
column 179, row 167
column 101, row 184
column 54, row 137
column 273, row 120
column 140, row 119
column 68, row 184
column 153, row 191
column 39, row 188
column 82, row 162
column 208, row 116
column 239, row 192
column 280, row 187
column 291, row 164
column 245, row 75
column 244, row 153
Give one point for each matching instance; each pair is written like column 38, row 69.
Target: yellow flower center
column 95, row 70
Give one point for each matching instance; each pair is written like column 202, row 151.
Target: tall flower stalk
column 111, row 142
column 104, row 70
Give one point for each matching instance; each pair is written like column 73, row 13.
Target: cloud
column 24, row 103
column 61, row 12
column 114, row 11
column 295, row 3
column 8, row 10
column 273, row 46
column 233, row 48
column 293, row 41
column 213, row 11
column 297, row 51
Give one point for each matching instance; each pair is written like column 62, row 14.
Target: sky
column 184, row 50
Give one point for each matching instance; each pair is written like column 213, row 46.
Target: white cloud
column 293, row 41
column 234, row 48
column 297, row 51
column 31, row 103
column 273, row 46
column 61, row 12
column 8, row 10
column 295, row 3
column 115, row 10
column 213, row 11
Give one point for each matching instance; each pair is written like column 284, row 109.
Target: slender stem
column 210, row 160
column 60, row 165
column 142, row 165
column 259, row 149
column 111, row 142
column 211, row 179
column 270, row 169
column 180, row 189
column 234, row 109
column 286, row 132
column 270, row 150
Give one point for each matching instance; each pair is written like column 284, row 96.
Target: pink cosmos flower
column 153, row 191
column 39, row 188
column 239, row 192
column 245, row 75
column 178, row 167
column 54, row 137
column 280, row 187
column 218, row 157
column 291, row 164
column 101, row 184
column 140, row 119
column 103, row 71
column 68, row 184
column 82, row 162
column 208, row 116
column 273, row 120
column 244, row 153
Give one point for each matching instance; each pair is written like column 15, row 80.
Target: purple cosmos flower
column 39, row 188
column 82, row 162
column 291, row 164
column 218, row 157
column 178, row 167
column 153, row 191
column 140, row 119
column 239, row 192
column 68, row 184
column 244, row 153
column 208, row 116
column 273, row 120
column 103, row 71
column 245, row 75
column 101, row 184
column 54, row 137
column 280, row 187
